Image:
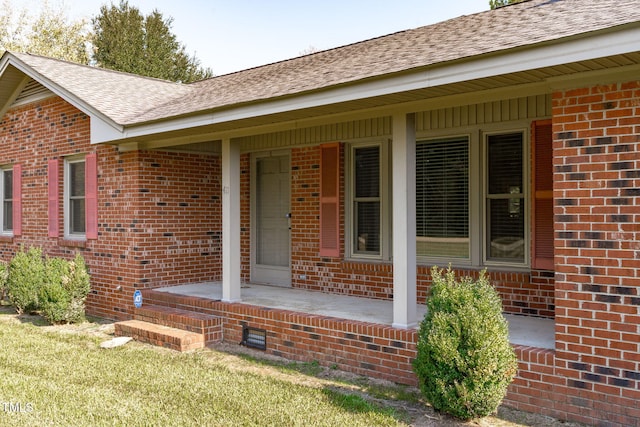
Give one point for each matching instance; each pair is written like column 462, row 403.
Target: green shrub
column 65, row 291
column 4, row 277
column 464, row 360
column 26, row 277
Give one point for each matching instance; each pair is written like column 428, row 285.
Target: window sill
column 6, row 239
column 73, row 243
column 363, row 259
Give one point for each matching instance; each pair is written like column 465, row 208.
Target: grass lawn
column 59, row 376
column 66, row 379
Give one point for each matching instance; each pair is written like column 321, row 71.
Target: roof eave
column 614, row 41
column 104, row 126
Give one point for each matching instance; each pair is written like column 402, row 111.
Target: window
column 80, row 197
column 366, row 200
column 442, row 198
column 471, row 221
column 6, row 176
column 505, row 201
column 368, row 219
column 75, row 220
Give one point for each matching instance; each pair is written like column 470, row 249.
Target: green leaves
column 62, row 298
column 56, row 287
column 494, row 4
column 26, row 277
column 465, row 362
column 50, row 33
column 125, row 40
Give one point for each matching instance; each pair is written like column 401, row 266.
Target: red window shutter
column 54, row 190
column 329, row 200
column 91, row 195
column 542, row 221
column 17, row 200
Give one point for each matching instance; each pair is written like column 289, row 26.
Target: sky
column 232, row 35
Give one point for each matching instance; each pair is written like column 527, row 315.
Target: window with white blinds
column 505, row 198
column 442, row 198
column 366, row 200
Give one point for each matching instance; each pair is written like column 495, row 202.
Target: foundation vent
column 254, row 338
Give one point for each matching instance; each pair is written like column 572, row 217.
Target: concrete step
column 160, row 335
column 208, row 325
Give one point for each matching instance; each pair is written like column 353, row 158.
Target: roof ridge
column 93, row 67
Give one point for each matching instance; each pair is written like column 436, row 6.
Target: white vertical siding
column 530, row 107
column 483, row 113
column 367, row 128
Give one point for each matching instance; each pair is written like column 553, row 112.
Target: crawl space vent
column 254, row 338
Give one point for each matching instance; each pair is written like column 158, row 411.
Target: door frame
column 281, row 281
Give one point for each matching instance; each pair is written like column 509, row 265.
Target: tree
column 494, row 4
column 124, row 40
column 12, row 28
column 50, row 33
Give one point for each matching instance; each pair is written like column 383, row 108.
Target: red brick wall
column 159, row 223
column 159, row 213
column 245, row 217
column 364, row 348
column 179, row 218
column 597, row 215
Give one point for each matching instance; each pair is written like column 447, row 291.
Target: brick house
column 507, row 140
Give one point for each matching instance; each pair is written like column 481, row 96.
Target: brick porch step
column 208, row 325
column 160, row 335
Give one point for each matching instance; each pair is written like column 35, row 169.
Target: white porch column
column 230, row 221
column 404, row 221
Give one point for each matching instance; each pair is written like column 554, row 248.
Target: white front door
column 271, row 219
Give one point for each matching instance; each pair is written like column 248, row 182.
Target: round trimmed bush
column 464, row 360
column 26, row 277
column 65, row 291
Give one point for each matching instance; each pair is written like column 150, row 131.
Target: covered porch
column 523, row 330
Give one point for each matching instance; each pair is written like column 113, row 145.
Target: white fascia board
column 102, row 131
column 95, row 115
column 579, row 49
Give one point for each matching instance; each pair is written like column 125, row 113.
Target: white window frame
column 526, row 161
column 3, row 230
column 385, row 215
column 67, row 198
column 478, row 187
column 439, row 260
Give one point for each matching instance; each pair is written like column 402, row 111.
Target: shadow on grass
column 357, row 404
column 35, row 319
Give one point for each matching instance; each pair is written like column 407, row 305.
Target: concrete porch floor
column 523, row 330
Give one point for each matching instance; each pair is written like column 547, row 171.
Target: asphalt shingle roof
column 129, row 99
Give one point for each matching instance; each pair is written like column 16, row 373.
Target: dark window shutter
column 329, row 200
column 542, row 239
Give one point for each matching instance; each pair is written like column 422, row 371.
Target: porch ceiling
column 530, row 82
column 529, row 331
